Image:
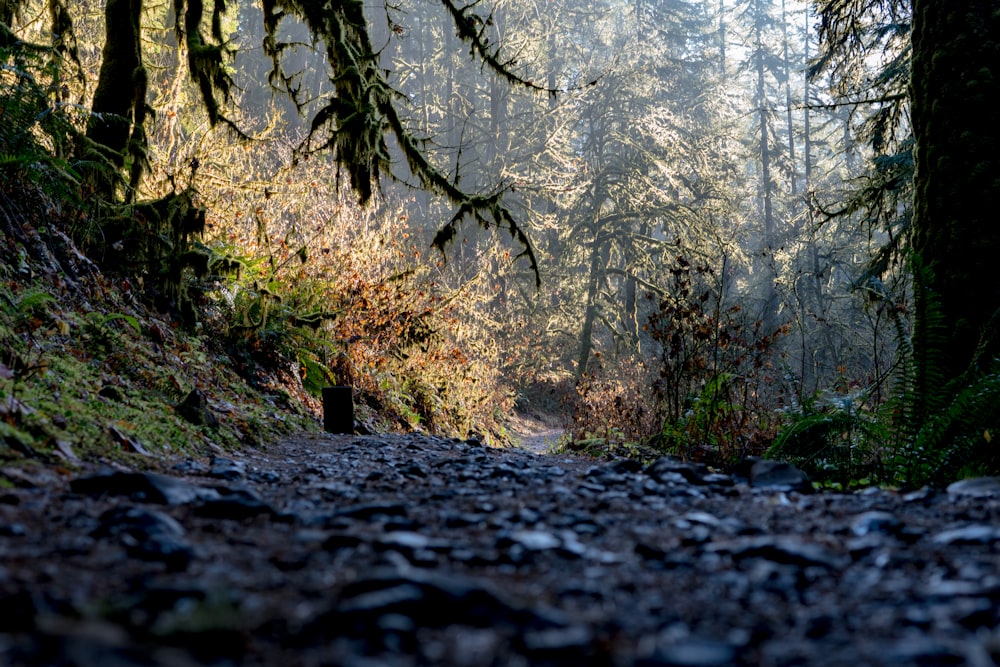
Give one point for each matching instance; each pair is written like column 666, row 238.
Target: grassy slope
column 88, row 371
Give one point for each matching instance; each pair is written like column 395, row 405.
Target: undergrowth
column 234, row 270
column 704, row 396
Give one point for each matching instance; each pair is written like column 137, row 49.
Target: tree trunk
column 769, row 315
column 789, row 119
column 119, row 105
column 956, row 236
column 120, row 77
column 598, row 263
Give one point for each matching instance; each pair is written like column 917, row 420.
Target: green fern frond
column 833, row 442
column 959, row 436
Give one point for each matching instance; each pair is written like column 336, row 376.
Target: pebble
column 976, row 487
column 876, row 522
column 973, row 534
column 692, row 653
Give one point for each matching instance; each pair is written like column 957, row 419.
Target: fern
column 939, row 428
column 958, row 437
column 833, row 441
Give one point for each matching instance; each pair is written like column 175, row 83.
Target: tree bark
column 956, row 233
column 121, row 85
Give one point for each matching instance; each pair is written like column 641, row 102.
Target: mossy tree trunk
column 119, row 104
column 956, row 213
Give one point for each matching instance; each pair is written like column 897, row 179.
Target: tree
column 956, row 238
column 356, row 118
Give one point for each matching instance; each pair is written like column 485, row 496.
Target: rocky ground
column 413, row 550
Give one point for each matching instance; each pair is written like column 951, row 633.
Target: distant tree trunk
column 598, row 264
column 956, row 236
column 806, row 117
column 120, row 98
column 770, row 311
column 722, row 39
column 787, row 66
column 498, row 145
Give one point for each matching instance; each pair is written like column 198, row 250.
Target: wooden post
column 338, row 409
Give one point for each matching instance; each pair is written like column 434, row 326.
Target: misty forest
column 713, row 229
column 481, row 333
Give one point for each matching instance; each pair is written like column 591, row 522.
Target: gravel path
column 538, row 434
column 413, row 550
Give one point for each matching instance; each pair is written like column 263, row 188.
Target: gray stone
column 876, row 522
column 779, row 476
column 976, row 487
column 532, row 540
column 667, row 469
column 974, row 534
column 147, row 535
column 228, row 469
column 692, row 652
column 780, row 549
column 149, row 487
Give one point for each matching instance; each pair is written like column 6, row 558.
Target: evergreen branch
column 898, row 97
column 472, row 29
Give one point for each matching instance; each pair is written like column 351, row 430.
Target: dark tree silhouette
column 956, row 238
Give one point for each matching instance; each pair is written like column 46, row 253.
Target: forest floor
column 417, row 550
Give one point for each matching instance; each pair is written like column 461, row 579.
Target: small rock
column 264, row 476
column 13, row 530
column 665, row 469
column 65, row 451
column 368, row 512
column 924, row 493
column 430, row 599
column 974, row 534
column 692, row 652
column 922, row 651
column 194, row 409
column 779, row 476
column 876, row 522
column 403, row 541
column 780, row 549
column 235, row 505
column 565, row 645
column 228, row 469
column 531, row 540
column 127, row 442
column 148, row 487
column 190, row 467
column 147, row 535
column 976, row 487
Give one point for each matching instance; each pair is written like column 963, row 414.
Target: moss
column 93, row 381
